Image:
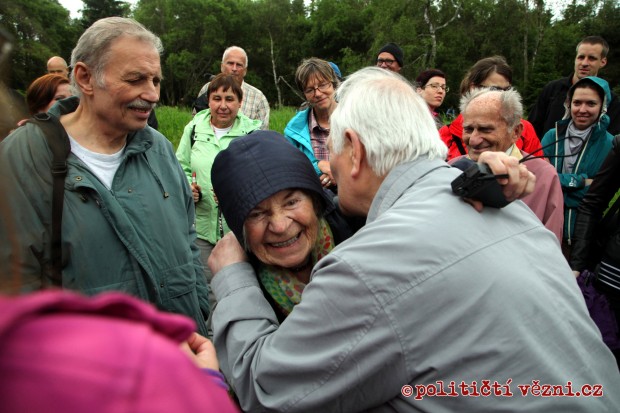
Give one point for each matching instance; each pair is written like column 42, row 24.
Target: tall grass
column 278, row 118
column 172, row 120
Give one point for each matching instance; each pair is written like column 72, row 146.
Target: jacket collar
column 398, row 181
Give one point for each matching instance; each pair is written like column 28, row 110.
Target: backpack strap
column 459, row 144
column 192, row 136
column 59, row 144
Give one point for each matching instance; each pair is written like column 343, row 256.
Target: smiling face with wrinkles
column 484, row 129
column 130, row 87
column 282, row 229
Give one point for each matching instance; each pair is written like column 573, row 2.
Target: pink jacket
column 62, row 352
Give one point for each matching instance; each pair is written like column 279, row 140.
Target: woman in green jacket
column 208, row 133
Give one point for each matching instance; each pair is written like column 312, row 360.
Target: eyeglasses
column 323, row 87
column 388, row 62
column 437, row 86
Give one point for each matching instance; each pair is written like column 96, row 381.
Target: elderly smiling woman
column 275, row 205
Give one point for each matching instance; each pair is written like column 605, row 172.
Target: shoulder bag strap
column 459, row 144
column 59, row 144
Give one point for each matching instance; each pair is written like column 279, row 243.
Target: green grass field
column 172, row 120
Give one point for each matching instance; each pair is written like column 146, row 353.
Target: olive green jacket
column 138, row 237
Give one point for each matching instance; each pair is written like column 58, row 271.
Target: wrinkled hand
column 201, row 351
column 196, row 192
column 520, row 181
column 227, row 251
column 326, row 177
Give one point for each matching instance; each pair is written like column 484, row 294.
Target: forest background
column 277, row 34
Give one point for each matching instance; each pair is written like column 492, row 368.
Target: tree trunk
column 432, row 29
column 275, row 75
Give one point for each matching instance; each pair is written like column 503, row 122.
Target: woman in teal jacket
column 581, row 144
column 208, row 133
column 309, row 128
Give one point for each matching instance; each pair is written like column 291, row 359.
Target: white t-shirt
column 102, row 165
column 221, row 132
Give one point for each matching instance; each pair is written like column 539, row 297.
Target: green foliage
column 278, row 118
column 98, row 9
column 41, row 29
column 172, row 121
column 278, row 34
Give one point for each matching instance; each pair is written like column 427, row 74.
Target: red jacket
column 452, row 136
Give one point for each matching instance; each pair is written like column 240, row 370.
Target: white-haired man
column 128, row 215
column 492, row 122
column 427, row 305
column 254, row 104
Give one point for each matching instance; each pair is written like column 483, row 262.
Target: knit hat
column 255, row 167
column 394, row 50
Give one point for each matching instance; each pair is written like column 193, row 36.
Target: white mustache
column 142, row 105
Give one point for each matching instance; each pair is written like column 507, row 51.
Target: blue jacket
column 588, row 162
column 137, row 237
column 297, row 132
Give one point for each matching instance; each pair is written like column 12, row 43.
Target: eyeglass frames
column 323, row 87
column 437, row 86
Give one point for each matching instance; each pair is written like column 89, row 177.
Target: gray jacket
column 428, row 292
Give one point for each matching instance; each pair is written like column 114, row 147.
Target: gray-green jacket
column 136, row 238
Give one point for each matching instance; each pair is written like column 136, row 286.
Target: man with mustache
column 128, row 214
column 591, row 57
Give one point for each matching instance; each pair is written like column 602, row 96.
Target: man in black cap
column 390, row 57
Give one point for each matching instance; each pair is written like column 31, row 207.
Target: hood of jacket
column 602, row 86
column 255, row 167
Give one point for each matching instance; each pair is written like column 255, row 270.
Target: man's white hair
column 392, row 121
column 94, row 45
column 238, row 49
column 511, row 108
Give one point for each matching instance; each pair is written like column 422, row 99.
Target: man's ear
column 357, row 152
column 517, row 132
column 603, row 62
column 84, row 78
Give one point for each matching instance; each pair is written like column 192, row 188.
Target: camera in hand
column 478, row 182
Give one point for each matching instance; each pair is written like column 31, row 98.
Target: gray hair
column 238, row 49
column 393, row 122
column 511, row 106
column 315, row 67
column 93, row 46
